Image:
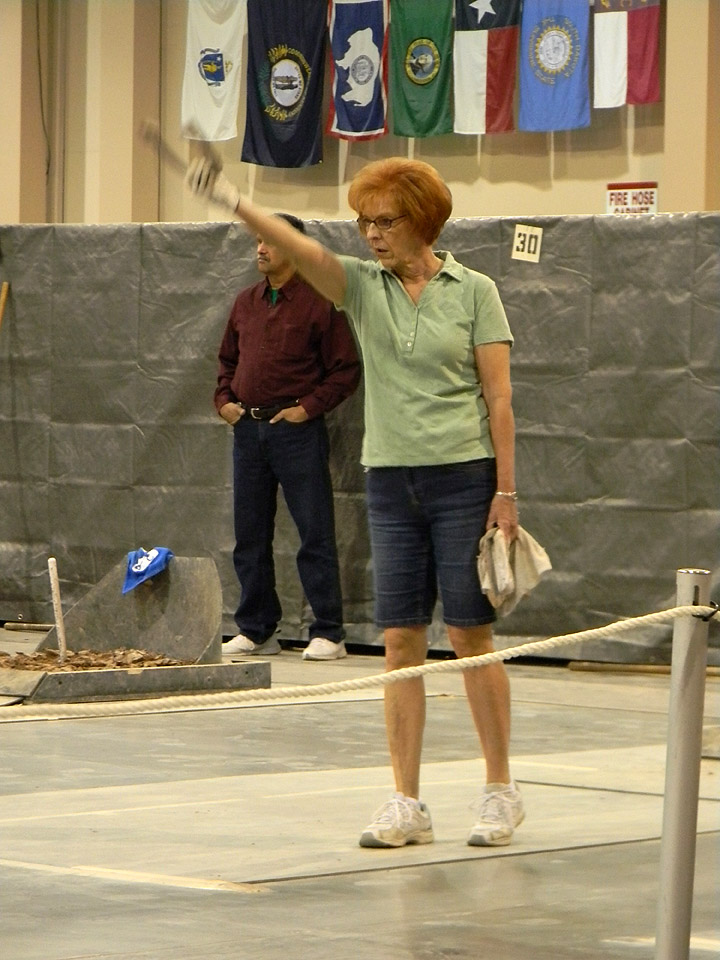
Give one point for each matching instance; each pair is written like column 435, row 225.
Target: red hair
column 421, row 193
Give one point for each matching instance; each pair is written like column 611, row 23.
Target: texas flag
column 626, row 52
column 485, row 58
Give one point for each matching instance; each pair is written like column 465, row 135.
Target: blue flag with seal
column 358, row 43
column 554, row 86
column 286, row 57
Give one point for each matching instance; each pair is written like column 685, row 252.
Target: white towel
column 507, row 573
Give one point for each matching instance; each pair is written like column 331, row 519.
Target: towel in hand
column 508, row 572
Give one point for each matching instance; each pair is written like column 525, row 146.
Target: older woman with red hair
column 438, row 452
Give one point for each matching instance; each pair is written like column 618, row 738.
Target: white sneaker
column 245, row 646
column 499, row 811
column 320, row 648
column 397, row 822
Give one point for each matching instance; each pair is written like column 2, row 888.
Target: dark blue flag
column 286, row 58
column 358, row 43
column 554, row 90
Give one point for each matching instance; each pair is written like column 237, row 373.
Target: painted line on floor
column 199, row 802
column 113, row 811
column 134, row 876
column 700, row 944
column 345, row 788
column 435, row 783
column 521, row 762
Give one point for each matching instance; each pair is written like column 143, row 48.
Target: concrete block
column 95, row 685
column 19, row 683
column 176, row 614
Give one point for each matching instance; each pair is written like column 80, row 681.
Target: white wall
column 108, row 64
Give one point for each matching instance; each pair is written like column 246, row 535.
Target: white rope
column 116, row 708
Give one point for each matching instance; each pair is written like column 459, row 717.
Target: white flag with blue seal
column 211, row 84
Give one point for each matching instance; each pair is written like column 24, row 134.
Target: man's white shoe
column 397, row 822
column 320, row 648
column 499, row 811
column 241, row 644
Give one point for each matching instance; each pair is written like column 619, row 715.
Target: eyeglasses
column 382, row 223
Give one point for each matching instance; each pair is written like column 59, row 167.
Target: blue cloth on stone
column 143, row 565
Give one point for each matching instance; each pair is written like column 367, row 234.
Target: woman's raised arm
column 319, row 266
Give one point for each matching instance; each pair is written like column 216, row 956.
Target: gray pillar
column 682, row 771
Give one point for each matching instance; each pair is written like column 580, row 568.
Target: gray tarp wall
column 109, row 440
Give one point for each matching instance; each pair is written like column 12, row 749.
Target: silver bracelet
column 508, row 494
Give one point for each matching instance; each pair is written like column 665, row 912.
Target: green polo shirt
column 423, row 403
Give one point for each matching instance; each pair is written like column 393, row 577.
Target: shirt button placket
column 411, row 335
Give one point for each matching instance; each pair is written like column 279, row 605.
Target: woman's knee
column 405, row 646
column 471, row 641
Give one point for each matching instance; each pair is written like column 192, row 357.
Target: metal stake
column 682, row 770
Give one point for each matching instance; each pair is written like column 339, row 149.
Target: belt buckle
column 254, row 411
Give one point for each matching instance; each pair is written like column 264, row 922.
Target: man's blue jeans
column 295, row 456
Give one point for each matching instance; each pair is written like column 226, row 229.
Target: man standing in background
column 286, row 359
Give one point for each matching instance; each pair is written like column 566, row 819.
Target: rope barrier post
column 682, row 770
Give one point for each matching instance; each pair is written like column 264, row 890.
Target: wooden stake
column 3, row 298
column 57, row 608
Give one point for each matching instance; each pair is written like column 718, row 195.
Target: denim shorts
column 425, row 526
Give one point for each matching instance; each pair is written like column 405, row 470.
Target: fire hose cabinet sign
column 632, row 198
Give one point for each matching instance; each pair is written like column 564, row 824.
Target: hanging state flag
column 211, row 82
column 358, row 69
column 554, row 89
column 286, row 58
column 421, row 67
column 626, row 52
column 485, row 58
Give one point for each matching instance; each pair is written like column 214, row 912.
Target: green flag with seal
column 421, row 67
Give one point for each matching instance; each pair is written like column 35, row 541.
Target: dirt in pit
column 49, row 660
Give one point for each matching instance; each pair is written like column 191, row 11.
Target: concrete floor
column 232, row 832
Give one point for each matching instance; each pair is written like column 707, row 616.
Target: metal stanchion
column 682, row 771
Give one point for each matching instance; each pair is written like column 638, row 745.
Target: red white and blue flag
column 626, row 52
column 358, row 69
column 485, row 54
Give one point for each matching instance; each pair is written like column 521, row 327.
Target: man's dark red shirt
column 299, row 348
